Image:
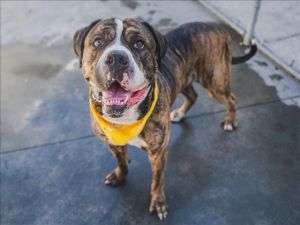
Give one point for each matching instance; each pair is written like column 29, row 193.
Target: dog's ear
column 160, row 41
column 78, row 41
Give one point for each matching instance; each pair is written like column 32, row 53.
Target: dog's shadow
column 191, row 165
column 188, row 177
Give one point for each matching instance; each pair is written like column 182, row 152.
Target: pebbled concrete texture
column 53, row 168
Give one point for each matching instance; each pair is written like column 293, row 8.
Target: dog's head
column 119, row 61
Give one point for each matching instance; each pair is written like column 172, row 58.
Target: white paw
column 228, row 127
column 176, row 115
column 162, row 215
column 160, row 207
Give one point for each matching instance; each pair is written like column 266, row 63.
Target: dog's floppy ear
column 78, row 41
column 160, row 41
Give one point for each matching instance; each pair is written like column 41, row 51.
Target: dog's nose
column 117, row 60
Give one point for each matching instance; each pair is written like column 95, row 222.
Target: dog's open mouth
column 116, row 95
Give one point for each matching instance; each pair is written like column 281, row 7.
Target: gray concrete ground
column 52, row 167
column 278, row 25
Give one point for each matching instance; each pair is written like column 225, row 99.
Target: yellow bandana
column 121, row 134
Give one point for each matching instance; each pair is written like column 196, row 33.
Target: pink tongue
column 121, row 93
column 116, row 92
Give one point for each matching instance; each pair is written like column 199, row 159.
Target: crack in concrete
column 283, row 38
column 188, row 118
column 47, row 144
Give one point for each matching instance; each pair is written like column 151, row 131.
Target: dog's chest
column 138, row 142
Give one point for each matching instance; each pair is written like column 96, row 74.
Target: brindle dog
column 122, row 59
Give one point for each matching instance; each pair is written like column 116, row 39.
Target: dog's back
column 200, row 52
column 195, row 51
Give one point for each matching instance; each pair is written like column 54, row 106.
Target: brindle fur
column 206, row 60
column 197, row 52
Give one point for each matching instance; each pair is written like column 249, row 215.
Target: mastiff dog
column 134, row 74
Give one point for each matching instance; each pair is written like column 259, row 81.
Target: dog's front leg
column 158, row 198
column 118, row 175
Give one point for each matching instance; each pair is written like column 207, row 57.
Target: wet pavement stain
column 261, row 63
column 152, row 12
column 131, row 4
column 29, row 74
column 148, row 19
column 44, row 71
column 276, row 77
column 163, row 22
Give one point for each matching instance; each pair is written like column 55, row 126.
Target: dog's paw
column 159, row 205
column 229, row 126
column 113, row 179
column 176, row 115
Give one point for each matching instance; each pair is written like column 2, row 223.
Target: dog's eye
column 139, row 44
column 98, row 42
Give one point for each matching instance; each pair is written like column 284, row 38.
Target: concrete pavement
column 52, row 167
column 277, row 26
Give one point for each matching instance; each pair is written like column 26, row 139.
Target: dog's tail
column 244, row 58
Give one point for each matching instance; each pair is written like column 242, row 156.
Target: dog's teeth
column 115, row 101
